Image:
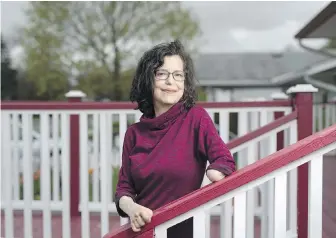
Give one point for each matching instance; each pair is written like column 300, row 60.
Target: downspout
column 321, row 51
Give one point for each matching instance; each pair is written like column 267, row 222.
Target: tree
column 97, row 84
column 44, row 66
column 102, row 38
column 8, row 74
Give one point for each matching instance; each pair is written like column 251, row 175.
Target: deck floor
column 329, row 214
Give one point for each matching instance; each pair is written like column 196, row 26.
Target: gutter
column 322, row 51
column 326, row 86
column 234, row 83
column 308, row 71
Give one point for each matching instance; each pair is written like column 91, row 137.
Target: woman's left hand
column 214, row 175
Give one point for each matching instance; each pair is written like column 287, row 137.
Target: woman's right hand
column 139, row 216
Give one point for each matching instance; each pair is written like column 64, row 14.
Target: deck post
column 73, row 97
column 303, row 103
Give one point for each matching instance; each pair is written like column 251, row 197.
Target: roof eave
column 322, row 17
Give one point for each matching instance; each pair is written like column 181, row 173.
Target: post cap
column 302, row 88
column 75, row 94
column 279, row 96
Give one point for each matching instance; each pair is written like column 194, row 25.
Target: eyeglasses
column 164, row 75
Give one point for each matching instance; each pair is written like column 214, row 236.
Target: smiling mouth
column 169, row 91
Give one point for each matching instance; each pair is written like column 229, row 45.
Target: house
column 242, row 76
column 322, row 74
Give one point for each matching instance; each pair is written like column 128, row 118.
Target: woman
column 165, row 154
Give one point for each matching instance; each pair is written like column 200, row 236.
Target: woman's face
column 169, row 82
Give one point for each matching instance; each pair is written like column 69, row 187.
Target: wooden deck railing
column 78, row 130
column 276, row 166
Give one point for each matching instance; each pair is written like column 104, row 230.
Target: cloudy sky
column 227, row 26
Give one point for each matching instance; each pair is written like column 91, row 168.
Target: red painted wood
column 74, row 162
column 280, row 135
column 147, row 234
column 262, row 130
column 304, row 106
column 128, row 233
column 237, row 179
column 36, row 105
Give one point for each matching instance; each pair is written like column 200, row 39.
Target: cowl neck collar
column 165, row 119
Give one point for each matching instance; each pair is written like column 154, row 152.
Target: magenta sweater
column 164, row 158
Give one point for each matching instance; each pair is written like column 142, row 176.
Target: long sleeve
column 213, row 148
column 125, row 185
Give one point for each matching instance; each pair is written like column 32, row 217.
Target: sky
column 227, row 26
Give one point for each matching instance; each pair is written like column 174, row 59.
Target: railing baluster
column 293, row 185
column 263, row 188
column 7, row 169
column 270, row 189
column 280, row 206
column 160, row 231
column 84, row 178
column 251, row 158
column 45, row 174
column 122, row 131
column 55, row 157
column 242, row 130
column 104, row 170
column 320, row 117
column 95, row 157
column 15, row 146
column 315, row 184
column 65, row 125
column 226, row 207
column 200, row 228
column 109, row 176
column 27, row 173
column 239, row 215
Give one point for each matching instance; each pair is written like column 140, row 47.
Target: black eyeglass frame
column 169, row 73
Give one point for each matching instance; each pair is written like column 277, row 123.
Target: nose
column 169, row 79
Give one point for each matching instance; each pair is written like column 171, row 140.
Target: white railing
column 324, row 115
column 260, row 200
column 41, row 165
column 38, row 166
column 277, row 169
column 19, row 194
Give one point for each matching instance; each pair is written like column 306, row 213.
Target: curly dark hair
column 142, row 85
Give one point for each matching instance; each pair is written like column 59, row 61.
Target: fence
column 79, row 142
column 308, row 153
